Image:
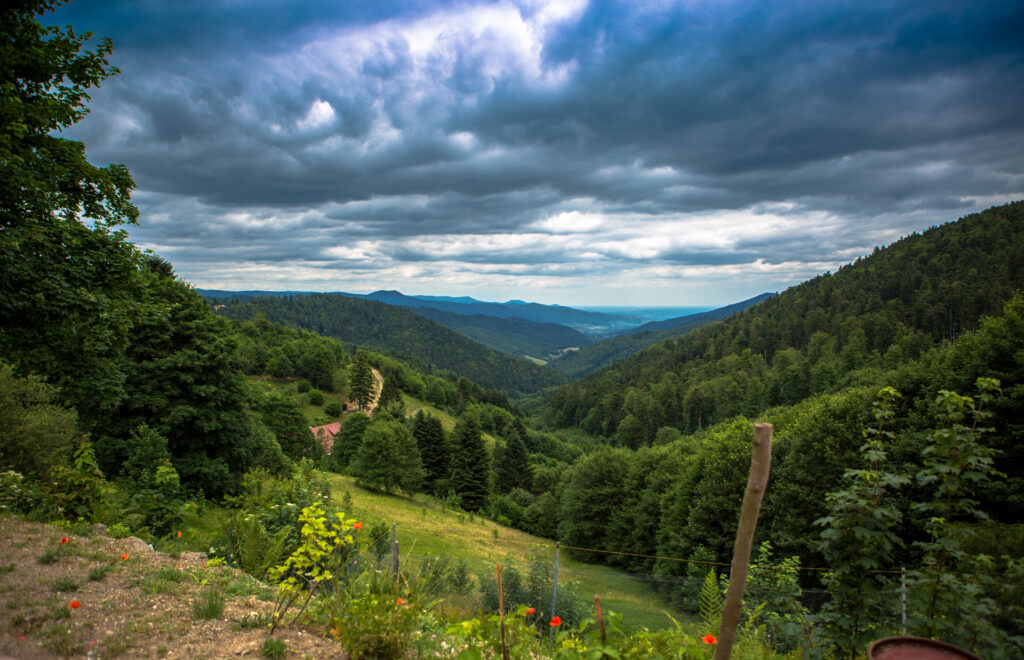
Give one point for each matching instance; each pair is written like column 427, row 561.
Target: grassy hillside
column 426, row 530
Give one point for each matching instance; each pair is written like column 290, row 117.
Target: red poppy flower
column 531, row 610
column 74, row 604
column 64, row 540
column 357, row 525
column 400, row 601
column 709, row 639
column 124, row 556
column 556, row 621
column 179, row 535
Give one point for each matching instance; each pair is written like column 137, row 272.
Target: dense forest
column 401, row 333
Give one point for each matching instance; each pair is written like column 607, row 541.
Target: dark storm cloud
column 268, row 132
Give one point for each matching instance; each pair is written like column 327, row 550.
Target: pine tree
column 434, row 448
column 470, row 465
column 389, row 393
column 361, row 388
column 512, row 464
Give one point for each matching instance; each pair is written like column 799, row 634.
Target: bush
column 333, row 408
column 315, row 398
column 119, row 531
column 302, row 386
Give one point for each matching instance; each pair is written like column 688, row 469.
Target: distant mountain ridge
column 585, row 322
column 603, row 353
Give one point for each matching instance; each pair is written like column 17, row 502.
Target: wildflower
column 400, row 601
column 357, row 525
column 556, row 621
column 64, row 540
column 74, row 604
column 709, row 639
column 531, row 610
column 124, row 556
column 179, row 535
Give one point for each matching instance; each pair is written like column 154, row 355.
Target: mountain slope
column 510, row 335
column 830, row 332
column 399, row 332
column 591, row 358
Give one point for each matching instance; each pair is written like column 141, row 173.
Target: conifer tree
column 389, row 393
column 512, row 464
column 433, row 446
column 470, row 465
column 361, row 388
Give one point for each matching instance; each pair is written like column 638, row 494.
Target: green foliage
column 315, row 398
column 67, row 287
column 78, row 491
column 252, row 548
column 119, row 531
column 773, row 589
column 36, row 435
column 284, row 417
column 348, row 440
column 948, row 598
column 310, row 565
column 388, row 459
column 859, row 539
column 511, row 464
column 533, row 589
column 434, row 449
column 710, row 602
column 333, row 408
column 302, row 386
column 361, row 383
column 471, row 465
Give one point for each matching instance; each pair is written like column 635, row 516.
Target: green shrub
column 302, row 386
column 119, row 531
column 315, row 398
column 333, row 408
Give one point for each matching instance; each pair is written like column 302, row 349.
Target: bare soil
column 139, row 607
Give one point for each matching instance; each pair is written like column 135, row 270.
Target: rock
column 138, row 544
column 97, row 528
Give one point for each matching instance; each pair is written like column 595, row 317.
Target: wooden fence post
column 760, row 466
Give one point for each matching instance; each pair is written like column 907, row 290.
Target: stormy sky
column 581, row 153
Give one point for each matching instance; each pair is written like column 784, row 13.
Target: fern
column 254, row 550
column 711, row 602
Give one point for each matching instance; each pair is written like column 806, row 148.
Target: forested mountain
column 833, row 331
column 399, row 332
column 511, row 335
column 591, row 358
column 587, row 322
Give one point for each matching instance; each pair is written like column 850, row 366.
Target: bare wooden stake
column 501, row 616
column 760, row 466
column 600, row 619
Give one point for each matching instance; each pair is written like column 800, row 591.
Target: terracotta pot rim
column 923, row 641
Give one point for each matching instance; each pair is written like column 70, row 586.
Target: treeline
column 400, row 333
column 832, row 332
